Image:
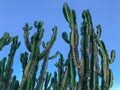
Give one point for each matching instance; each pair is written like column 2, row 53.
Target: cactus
column 60, row 79
column 6, row 68
column 29, row 62
column 47, row 80
column 29, row 76
column 88, row 65
column 8, row 71
column 92, row 49
column 24, row 60
column 106, row 72
column 73, row 57
column 41, row 78
column 5, row 40
column 85, row 60
column 2, row 71
column 14, row 85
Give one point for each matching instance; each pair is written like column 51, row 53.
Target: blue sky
column 14, row 14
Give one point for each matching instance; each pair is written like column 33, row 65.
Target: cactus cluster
column 81, row 70
column 92, row 47
column 30, row 66
column 7, row 62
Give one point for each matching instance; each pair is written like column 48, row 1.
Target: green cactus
column 71, row 18
column 60, row 66
column 73, row 57
column 30, row 70
column 47, row 80
column 71, row 72
column 24, row 60
column 6, row 68
column 65, row 37
column 5, row 40
column 66, row 72
column 74, row 38
column 41, row 78
column 80, row 71
column 106, row 72
column 88, row 65
column 8, row 71
column 2, row 68
column 92, row 49
column 14, row 85
column 60, row 77
column 2, row 71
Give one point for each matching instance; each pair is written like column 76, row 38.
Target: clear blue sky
column 15, row 13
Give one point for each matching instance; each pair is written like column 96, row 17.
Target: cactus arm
column 111, row 78
column 54, row 82
column 104, row 70
column 63, row 82
column 5, row 40
column 24, row 60
column 107, row 76
column 41, row 78
column 74, row 47
column 72, row 73
column 50, row 43
column 38, row 25
column 2, row 68
column 60, row 66
column 112, row 56
column 67, row 12
column 94, row 67
column 26, row 29
column 37, row 37
column 14, row 84
column 54, row 56
column 84, row 64
column 99, row 30
column 48, row 77
column 9, row 65
column 65, row 37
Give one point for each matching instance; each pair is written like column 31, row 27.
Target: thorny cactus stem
column 14, row 85
column 29, row 76
column 41, row 78
column 6, row 68
column 15, row 45
column 106, row 72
